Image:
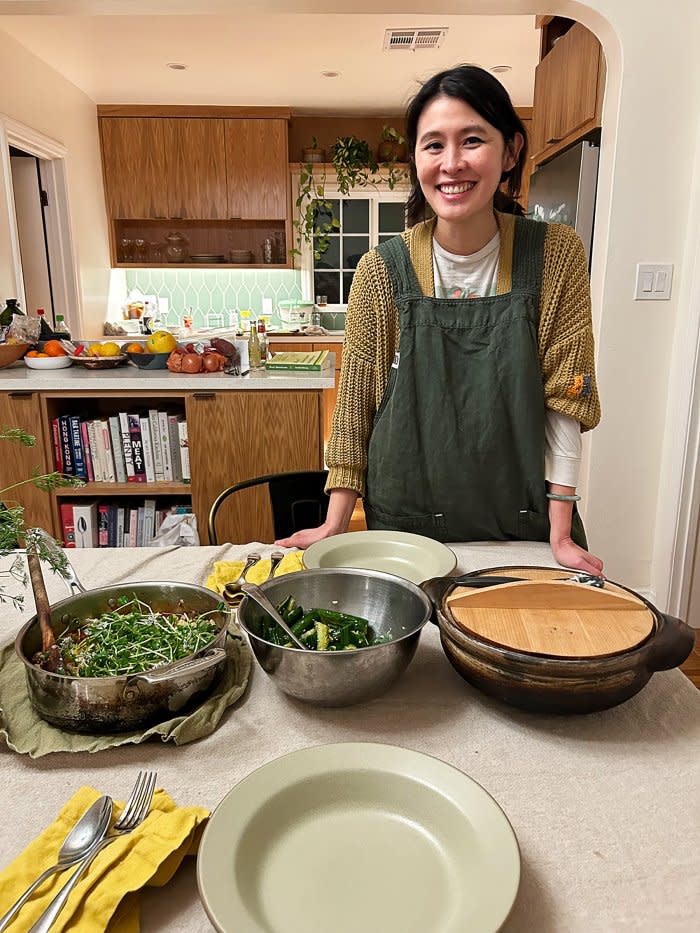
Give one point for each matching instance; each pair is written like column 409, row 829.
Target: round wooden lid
column 548, row 614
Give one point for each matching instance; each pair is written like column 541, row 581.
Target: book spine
column 147, row 449
column 155, row 444
column 111, row 474
column 56, row 437
column 67, row 524
column 149, row 521
column 111, row 525
column 79, row 467
column 165, row 445
column 120, row 526
column 66, row 446
column 86, row 450
column 117, row 449
column 139, row 526
column 137, row 449
column 102, row 525
column 126, row 446
column 174, row 444
column 133, row 526
column 95, row 452
column 85, row 522
column 184, row 451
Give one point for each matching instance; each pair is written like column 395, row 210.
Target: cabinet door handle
column 204, row 395
column 20, row 394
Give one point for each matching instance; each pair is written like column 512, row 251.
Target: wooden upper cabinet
column 256, row 168
column 569, row 84
column 133, row 158
column 196, row 168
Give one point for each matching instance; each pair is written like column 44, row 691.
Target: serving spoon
column 90, row 828
column 252, row 591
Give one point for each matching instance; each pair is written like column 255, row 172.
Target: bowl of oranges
column 52, row 355
column 105, row 355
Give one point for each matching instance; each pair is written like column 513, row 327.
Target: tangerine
column 134, row 348
column 54, row 348
column 33, row 353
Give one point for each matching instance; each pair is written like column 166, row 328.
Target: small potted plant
column 313, row 153
column 392, row 147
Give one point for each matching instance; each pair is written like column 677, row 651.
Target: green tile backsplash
column 216, row 290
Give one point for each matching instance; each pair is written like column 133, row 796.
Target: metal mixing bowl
column 340, row 678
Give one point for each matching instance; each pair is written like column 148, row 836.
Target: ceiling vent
column 413, row 38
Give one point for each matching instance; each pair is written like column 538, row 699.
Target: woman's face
column 459, row 160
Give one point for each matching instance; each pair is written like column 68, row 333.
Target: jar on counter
column 176, row 250
column 245, row 317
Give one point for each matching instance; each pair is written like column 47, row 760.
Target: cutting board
column 546, row 614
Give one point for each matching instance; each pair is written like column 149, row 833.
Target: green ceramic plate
column 412, row 557
column 358, row 837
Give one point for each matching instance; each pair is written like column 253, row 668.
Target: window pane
column 324, row 215
column 347, row 282
column 328, row 283
column 353, row 248
column 391, row 217
column 330, row 259
column 355, row 217
column 383, row 237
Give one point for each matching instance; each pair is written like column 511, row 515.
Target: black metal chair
column 297, row 501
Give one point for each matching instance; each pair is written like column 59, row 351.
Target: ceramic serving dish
column 358, row 836
column 100, row 362
column 11, row 352
column 148, row 360
column 47, row 362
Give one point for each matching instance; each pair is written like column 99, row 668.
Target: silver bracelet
column 560, row 498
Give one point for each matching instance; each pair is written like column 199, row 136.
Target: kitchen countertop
column 601, row 804
column 19, row 377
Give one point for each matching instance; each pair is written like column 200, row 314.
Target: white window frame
column 372, row 194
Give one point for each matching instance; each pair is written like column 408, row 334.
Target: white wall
column 35, row 95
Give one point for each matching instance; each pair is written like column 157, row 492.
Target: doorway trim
column 64, row 266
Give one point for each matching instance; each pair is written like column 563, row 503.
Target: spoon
column 256, row 594
column 90, row 828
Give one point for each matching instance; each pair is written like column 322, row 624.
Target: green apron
column 457, row 447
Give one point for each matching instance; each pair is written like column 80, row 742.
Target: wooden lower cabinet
column 232, row 435
column 238, row 435
column 17, row 462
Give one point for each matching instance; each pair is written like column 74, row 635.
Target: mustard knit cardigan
column 565, row 339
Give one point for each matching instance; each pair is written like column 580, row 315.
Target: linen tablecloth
column 605, row 806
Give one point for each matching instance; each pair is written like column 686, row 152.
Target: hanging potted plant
column 392, row 146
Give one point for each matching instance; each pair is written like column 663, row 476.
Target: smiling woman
column 467, row 372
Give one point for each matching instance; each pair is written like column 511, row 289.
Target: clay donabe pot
column 539, row 681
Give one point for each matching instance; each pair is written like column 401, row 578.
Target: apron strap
column 402, row 275
column 528, row 255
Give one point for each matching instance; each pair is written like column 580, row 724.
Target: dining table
column 604, row 806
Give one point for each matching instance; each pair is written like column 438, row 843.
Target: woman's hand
column 569, row 554
column 340, row 508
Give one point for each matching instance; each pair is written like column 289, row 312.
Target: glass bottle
column 254, row 349
column 45, row 332
column 11, row 307
column 61, row 331
column 262, row 340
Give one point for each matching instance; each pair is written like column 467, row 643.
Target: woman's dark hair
column 485, row 94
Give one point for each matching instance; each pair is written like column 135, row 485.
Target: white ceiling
column 263, row 58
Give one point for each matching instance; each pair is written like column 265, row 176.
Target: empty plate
column 358, row 836
column 412, row 557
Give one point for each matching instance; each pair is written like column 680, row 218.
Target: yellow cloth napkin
column 225, row 571
column 104, row 898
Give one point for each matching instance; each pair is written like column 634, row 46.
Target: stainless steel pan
column 117, row 704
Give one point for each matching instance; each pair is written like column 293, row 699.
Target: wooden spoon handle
column 41, row 599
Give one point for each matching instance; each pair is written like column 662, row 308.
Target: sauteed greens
column 130, row 639
column 321, row 629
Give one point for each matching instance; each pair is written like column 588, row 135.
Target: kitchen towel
column 226, row 571
column 106, row 897
column 26, row 732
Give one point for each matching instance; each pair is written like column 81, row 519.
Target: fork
column 134, row 813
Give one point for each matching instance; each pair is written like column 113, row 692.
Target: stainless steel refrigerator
column 563, row 191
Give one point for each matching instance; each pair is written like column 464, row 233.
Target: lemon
column 109, row 349
column 94, row 349
column 161, row 341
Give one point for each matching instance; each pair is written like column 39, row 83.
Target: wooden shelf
column 126, row 489
column 201, row 265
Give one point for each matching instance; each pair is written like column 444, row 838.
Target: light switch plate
column 653, row 281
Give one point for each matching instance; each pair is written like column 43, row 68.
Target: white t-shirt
column 476, row 276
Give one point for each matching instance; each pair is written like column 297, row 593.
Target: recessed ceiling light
column 500, row 69
column 330, row 74
column 177, row 66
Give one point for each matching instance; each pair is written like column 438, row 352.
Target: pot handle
column 187, row 666
column 436, row 587
column 63, row 565
column 671, row 646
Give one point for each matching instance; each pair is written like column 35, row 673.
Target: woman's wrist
column 560, row 511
